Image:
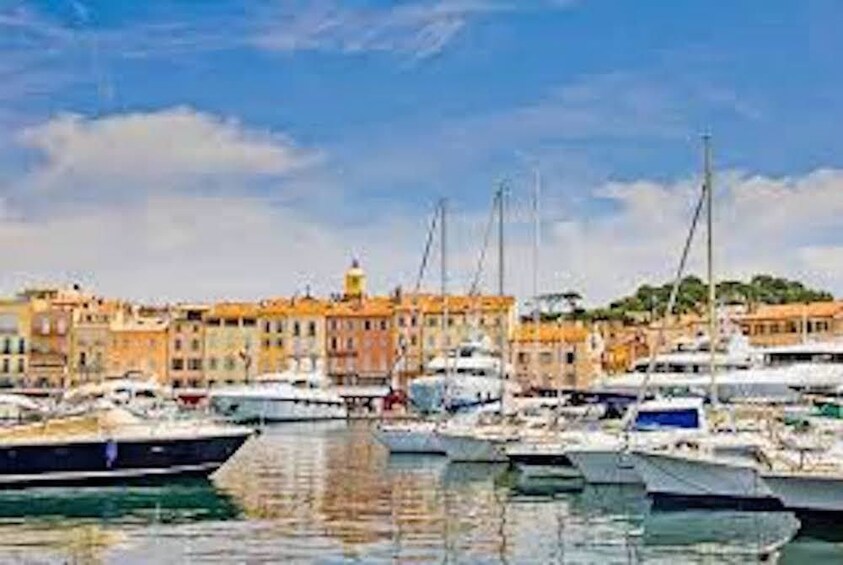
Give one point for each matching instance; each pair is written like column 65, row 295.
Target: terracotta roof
column 375, row 306
column 797, row 310
column 435, row 304
column 233, row 310
column 306, row 306
column 550, row 332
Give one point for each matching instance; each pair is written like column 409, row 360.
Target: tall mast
column 712, row 324
column 500, row 239
column 443, row 239
column 536, row 242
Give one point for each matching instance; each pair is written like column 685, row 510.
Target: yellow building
column 232, row 339
column 186, row 343
column 554, row 356
column 492, row 316
column 15, row 326
column 138, row 343
column 272, row 319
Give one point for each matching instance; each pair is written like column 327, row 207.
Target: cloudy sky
column 240, row 149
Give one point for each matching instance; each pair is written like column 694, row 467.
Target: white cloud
column 173, row 142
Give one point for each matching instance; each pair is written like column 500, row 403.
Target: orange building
column 360, row 342
column 138, row 343
column 292, row 330
column 90, row 338
column 554, row 356
column 787, row 324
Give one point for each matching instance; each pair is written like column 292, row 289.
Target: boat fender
column 110, row 453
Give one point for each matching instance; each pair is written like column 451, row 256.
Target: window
column 349, row 344
column 267, row 327
column 83, row 359
column 334, row 344
column 45, row 326
column 349, row 325
column 229, row 363
column 7, row 346
column 177, row 344
column 249, row 322
column 383, row 324
column 400, row 321
column 570, row 357
column 523, row 357
column 212, row 363
column 178, row 364
column 61, row 326
column 545, row 358
column 413, row 340
column 22, row 346
column 311, row 329
column 431, row 322
column 296, row 329
column 194, row 345
column 21, row 367
column 367, row 325
column 194, row 364
column 267, row 343
column 280, row 343
column 5, row 365
column 413, row 321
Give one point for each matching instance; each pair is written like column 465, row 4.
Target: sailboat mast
column 536, row 242
column 503, row 330
column 712, row 323
column 443, row 239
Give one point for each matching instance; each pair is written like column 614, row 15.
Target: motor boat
column 298, row 394
column 410, row 437
column 111, row 445
column 469, row 376
column 602, row 456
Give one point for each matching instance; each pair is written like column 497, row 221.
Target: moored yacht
column 291, row 396
column 112, row 445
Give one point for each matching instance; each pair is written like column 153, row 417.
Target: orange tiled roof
column 376, row 306
column 549, row 332
column 435, row 304
column 233, row 310
column 790, row 311
column 304, row 306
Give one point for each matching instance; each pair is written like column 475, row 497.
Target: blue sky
column 251, row 148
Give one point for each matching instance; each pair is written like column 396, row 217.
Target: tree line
column 649, row 302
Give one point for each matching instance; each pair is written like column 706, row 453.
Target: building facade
column 360, row 341
column 232, row 339
column 554, row 356
column 90, row 339
column 788, row 324
column 186, row 345
column 138, row 344
column 15, row 327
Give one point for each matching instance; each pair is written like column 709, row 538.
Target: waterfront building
column 491, row 316
column 15, row 328
column 232, row 339
column 90, row 339
column 554, row 355
column 408, row 324
column 360, row 341
column 273, row 323
column 138, row 343
column 49, row 344
column 186, row 344
column 788, row 324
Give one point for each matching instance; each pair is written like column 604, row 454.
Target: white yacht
column 295, row 395
column 603, row 456
column 410, row 437
column 471, row 375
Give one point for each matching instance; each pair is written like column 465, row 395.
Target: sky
column 207, row 150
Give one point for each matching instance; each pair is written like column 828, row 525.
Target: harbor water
column 328, row 493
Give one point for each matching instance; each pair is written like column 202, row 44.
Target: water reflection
column 329, row 493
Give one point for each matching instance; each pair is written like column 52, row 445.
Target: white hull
column 685, row 476
column 408, row 440
column 609, row 466
column 470, row 449
column 241, row 408
column 806, row 492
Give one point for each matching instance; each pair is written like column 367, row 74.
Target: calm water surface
column 328, row 493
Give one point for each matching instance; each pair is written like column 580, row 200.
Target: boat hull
column 544, row 464
column 110, row 461
column 808, row 493
column 717, row 483
column 606, row 466
column 421, row 441
column 249, row 409
column 470, row 449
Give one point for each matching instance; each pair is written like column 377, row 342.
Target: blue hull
column 114, row 462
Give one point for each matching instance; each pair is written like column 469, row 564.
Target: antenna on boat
column 712, row 295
